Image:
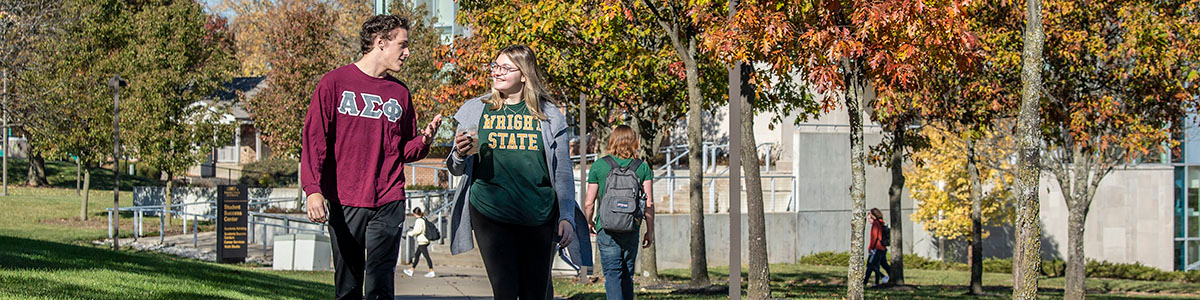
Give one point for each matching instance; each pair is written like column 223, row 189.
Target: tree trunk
column 759, row 271
column 83, row 207
column 695, row 172
column 37, row 170
column 652, row 137
column 650, row 260
column 1026, row 256
column 1075, row 194
column 1076, row 262
column 683, row 40
column 896, row 276
column 976, row 220
column 856, row 89
column 168, row 198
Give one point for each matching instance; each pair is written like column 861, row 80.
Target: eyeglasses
column 501, row 70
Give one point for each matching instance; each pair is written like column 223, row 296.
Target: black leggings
column 517, row 258
column 422, row 249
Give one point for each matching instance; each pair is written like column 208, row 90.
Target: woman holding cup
column 518, row 196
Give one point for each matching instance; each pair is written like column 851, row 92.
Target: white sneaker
column 408, row 272
column 885, row 279
column 430, row 274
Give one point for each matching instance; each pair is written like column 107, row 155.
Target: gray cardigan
column 562, row 176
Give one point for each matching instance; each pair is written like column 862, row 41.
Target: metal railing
column 162, row 211
column 258, row 222
column 673, row 184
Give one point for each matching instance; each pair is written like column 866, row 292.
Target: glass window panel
column 1193, row 255
column 1179, row 202
column 1192, row 211
column 1179, row 255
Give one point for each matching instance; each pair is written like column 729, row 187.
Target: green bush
column 1054, row 268
column 439, row 151
column 1137, row 271
column 997, row 265
column 922, row 263
column 1049, row 268
column 828, row 258
column 269, row 173
column 146, row 170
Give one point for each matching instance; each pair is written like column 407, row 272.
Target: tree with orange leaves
column 849, row 51
column 1120, row 78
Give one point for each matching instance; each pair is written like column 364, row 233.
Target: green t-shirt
column 512, row 181
column 598, row 174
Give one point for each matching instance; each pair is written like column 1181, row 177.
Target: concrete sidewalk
column 451, row 283
column 459, row 277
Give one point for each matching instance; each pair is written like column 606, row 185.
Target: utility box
column 302, row 252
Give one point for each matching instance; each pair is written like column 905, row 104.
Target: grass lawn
column 62, row 174
column 795, row 281
column 45, row 254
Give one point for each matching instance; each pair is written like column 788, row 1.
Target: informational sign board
column 232, row 216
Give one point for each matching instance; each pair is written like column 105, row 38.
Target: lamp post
column 4, row 106
column 116, row 83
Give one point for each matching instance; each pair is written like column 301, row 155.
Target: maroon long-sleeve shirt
column 358, row 134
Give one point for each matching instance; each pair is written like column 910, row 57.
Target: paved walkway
column 459, row 277
column 451, row 283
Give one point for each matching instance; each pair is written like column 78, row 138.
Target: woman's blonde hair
column 534, row 90
column 623, row 142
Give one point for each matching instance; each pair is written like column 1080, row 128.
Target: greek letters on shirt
column 374, row 109
column 525, row 138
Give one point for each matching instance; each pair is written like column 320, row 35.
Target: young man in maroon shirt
column 359, row 132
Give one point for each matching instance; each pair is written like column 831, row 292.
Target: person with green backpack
column 425, row 232
column 624, row 186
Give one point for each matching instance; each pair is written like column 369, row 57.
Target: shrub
column 269, row 173
column 439, row 151
column 1054, row 268
column 997, row 265
column 1135, row 271
column 913, row 261
column 146, row 170
column 1049, row 268
column 828, row 258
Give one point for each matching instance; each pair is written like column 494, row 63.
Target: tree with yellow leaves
column 941, row 185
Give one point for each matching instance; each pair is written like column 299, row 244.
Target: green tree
column 23, row 24
column 302, row 46
column 423, row 71
column 182, row 56
column 849, row 51
column 1120, row 78
column 617, row 57
column 676, row 19
column 69, row 106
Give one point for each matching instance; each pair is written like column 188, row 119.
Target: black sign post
column 231, row 223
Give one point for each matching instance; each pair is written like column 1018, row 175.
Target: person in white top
column 418, row 230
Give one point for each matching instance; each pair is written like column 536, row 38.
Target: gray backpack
column 624, row 203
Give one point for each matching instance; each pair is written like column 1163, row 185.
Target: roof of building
column 228, row 94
